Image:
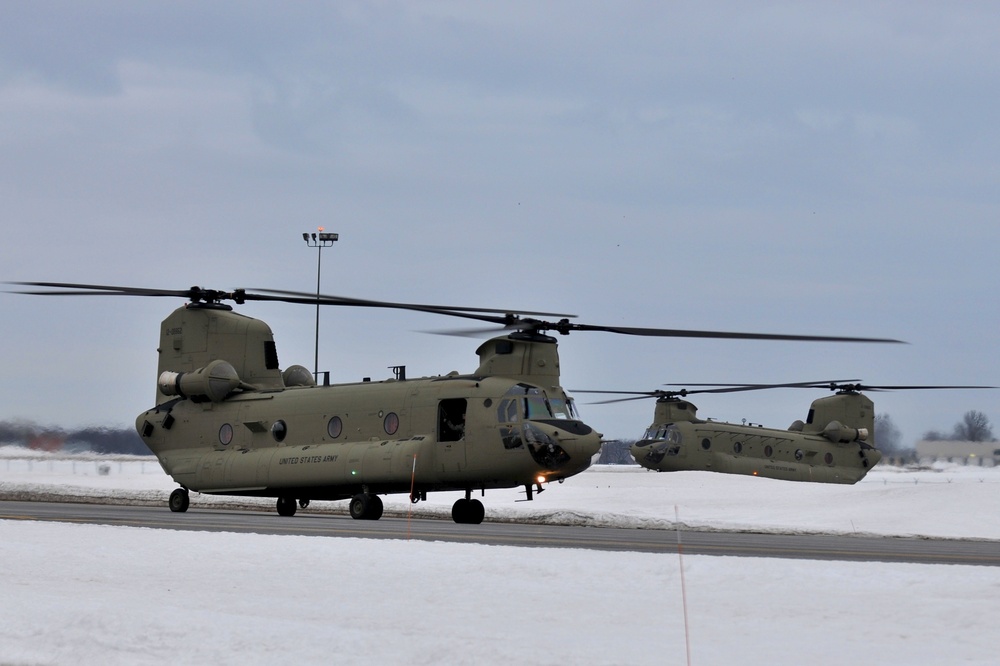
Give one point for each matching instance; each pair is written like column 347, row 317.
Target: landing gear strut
column 468, row 511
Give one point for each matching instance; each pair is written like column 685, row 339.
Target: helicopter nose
column 566, row 446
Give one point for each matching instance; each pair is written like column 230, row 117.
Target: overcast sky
column 767, row 167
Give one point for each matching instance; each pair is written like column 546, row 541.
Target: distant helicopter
column 835, row 444
column 228, row 421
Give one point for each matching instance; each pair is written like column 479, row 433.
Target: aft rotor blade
column 443, row 309
column 74, row 289
column 503, row 318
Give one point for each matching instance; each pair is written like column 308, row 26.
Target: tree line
column 974, row 427
column 98, row 440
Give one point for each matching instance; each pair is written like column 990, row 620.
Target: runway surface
column 738, row 544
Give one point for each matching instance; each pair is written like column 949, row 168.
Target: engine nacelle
column 298, row 375
column 215, row 381
column 835, row 431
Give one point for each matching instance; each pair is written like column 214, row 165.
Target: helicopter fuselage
column 333, row 442
column 821, row 450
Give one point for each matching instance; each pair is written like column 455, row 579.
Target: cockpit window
column 534, row 404
column 507, row 411
column 668, row 432
column 563, row 409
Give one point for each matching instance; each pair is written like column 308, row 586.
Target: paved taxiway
column 821, row 547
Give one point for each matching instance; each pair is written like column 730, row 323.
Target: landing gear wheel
column 468, row 512
column 359, row 506
column 374, row 507
column 366, row 507
column 477, row 512
column 179, row 500
column 286, row 506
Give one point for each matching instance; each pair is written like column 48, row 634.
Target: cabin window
column 226, row 434
column 768, row 451
column 738, row 447
column 391, row 423
column 828, row 458
column 799, row 454
column 279, row 430
column 706, row 444
column 335, row 427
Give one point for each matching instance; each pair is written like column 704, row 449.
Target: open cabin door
column 451, row 434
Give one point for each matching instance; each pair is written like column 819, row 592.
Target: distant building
column 969, row 453
column 46, row 442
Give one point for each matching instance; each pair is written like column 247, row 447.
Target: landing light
column 540, row 479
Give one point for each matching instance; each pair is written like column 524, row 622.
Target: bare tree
column 974, row 427
column 887, row 436
column 616, row 452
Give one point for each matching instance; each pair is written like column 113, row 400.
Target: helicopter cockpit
column 523, row 404
column 663, row 440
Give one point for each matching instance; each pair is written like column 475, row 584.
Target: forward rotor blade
column 636, row 395
column 729, row 388
column 866, row 387
column 837, row 385
column 730, row 335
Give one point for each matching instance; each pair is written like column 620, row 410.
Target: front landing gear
column 366, row 507
column 468, row 511
column 179, row 500
column 286, row 506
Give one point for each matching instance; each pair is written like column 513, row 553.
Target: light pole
column 319, row 241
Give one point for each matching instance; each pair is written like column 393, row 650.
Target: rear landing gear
column 179, row 500
column 468, row 511
column 366, row 507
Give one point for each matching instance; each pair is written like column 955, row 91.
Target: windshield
column 564, row 409
column 668, row 432
column 535, row 404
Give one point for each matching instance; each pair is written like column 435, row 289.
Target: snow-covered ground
column 96, row 594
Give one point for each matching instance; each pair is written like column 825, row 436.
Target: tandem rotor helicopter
column 227, row 420
column 835, row 444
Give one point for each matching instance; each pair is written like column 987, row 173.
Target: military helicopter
column 835, row 444
column 228, row 421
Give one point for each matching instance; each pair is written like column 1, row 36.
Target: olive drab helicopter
column 835, row 444
column 227, row 420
